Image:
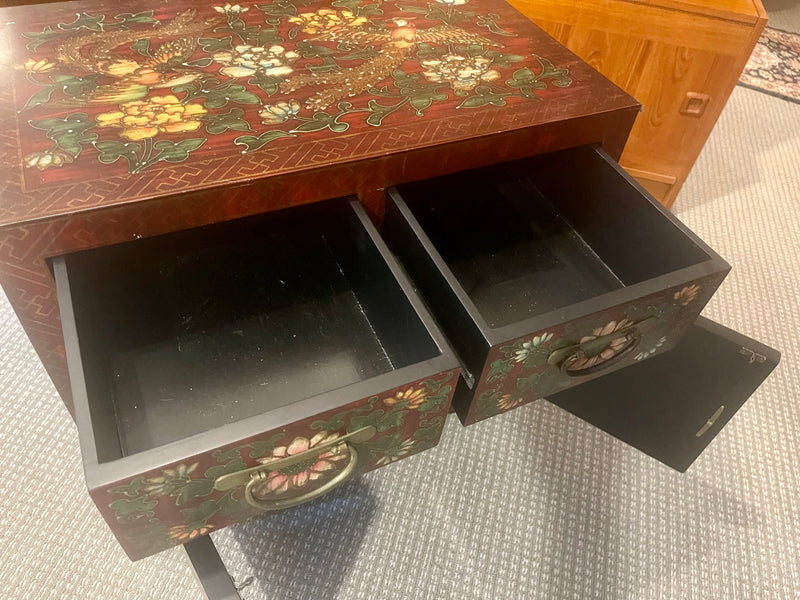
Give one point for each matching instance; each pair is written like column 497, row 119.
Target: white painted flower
column 463, row 73
column 396, row 453
column 231, row 9
column 246, row 60
column 529, row 347
column 47, row 159
column 452, row 2
column 651, row 350
column 279, row 112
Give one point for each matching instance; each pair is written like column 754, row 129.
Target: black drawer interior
column 532, row 236
column 185, row 332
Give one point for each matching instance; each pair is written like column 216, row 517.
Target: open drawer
column 673, row 406
column 548, row 272
column 243, row 367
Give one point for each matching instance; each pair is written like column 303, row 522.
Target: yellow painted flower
column 185, row 533
column 231, row 9
column 47, row 159
column 142, row 119
column 687, row 294
column 39, row 66
column 507, row 402
column 280, row 112
column 463, row 73
column 415, row 397
column 246, row 60
column 326, row 19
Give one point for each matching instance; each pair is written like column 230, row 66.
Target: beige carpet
column 533, row 504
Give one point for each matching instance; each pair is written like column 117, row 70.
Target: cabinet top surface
column 101, row 105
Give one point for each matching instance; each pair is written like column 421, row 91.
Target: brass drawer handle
column 255, row 475
column 566, row 358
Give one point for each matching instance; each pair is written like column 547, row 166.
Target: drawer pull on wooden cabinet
column 599, row 353
column 257, row 475
column 707, row 425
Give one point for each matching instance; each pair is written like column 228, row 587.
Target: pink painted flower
column 298, row 475
column 507, row 402
column 610, row 350
column 687, row 294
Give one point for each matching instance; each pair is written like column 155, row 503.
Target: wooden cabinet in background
column 680, row 58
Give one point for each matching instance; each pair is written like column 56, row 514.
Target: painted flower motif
column 463, row 73
column 415, row 397
column 507, row 402
column 325, row 20
column 169, row 479
column 529, row 347
column 687, row 294
column 231, row 9
column 38, row 66
column 280, row 112
column 184, row 533
column 392, row 454
column 611, row 349
column 246, row 60
column 47, row 159
column 142, row 119
column 452, row 2
column 300, row 474
column 651, row 350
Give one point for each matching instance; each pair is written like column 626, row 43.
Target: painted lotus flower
column 687, row 294
column 47, row 159
column 142, row 119
column 396, row 453
column 280, row 112
column 185, row 533
column 612, row 348
column 169, row 480
column 463, row 73
column 325, row 20
column 529, row 347
column 246, row 60
column 298, row 475
column 507, row 402
column 651, row 350
column 415, row 397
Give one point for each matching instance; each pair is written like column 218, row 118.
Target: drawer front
column 672, row 407
column 549, row 272
column 174, row 504
column 529, row 367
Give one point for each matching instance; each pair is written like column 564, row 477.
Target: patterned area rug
column 774, row 66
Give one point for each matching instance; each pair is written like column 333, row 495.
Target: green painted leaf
column 253, row 143
column 474, row 102
column 201, row 513
column 232, row 120
column 70, row 133
column 428, row 435
column 261, row 448
column 177, row 151
column 85, row 21
column 42, row 37
column 131, row 489
column 195, row 488
column 224, row 456
column 140, row 506
column 142, row 47
column 318, row 122
column 279, row 9
column 218, row 98
column 267, row 83
column 129, row 19
column 215, row 472
column 366, row 53
column 112, row 150
column 499, row 369
column 435, row 401
column 527, row 383
column 216, row 44
column 40, row 97
column 75, row 86
column 414, row 9
column 200, row 62
column 379, row 419
column 490, row 22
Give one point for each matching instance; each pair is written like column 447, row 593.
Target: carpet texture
column 774, row 65
column 532, row 504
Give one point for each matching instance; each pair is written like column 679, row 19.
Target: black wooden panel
column 662, row 405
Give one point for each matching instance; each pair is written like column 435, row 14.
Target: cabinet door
column 673, row 405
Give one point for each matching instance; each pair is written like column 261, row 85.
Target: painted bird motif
column 396, row 44
column 162, row 68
